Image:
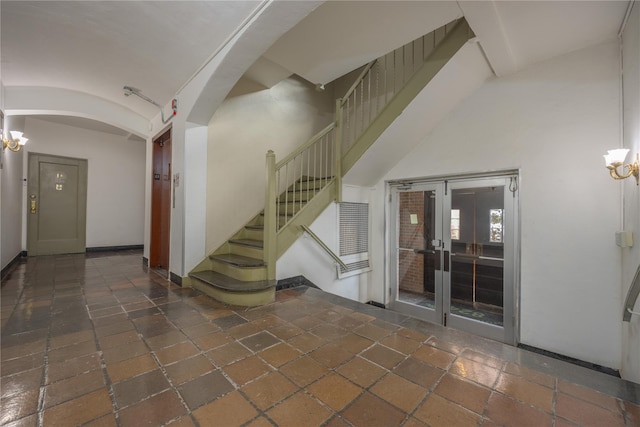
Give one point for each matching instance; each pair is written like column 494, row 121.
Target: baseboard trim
column 9, row 267
column 115, row 248
column 376, row 304
column 294, row 282
column 175, row 278
column 572, row 360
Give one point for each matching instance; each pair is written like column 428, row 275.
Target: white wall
column 552, row 121
column 10, row 198
column 631, row 256
column 116, row 178
column 305, row 257
column 194, row 181
column 251, row 121
column 11, row 206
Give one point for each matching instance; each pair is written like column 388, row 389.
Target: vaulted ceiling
column 157, row 46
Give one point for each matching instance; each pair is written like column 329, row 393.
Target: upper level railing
column 380, row 80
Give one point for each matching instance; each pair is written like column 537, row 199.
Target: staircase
column 300, row 186
column 236, row 273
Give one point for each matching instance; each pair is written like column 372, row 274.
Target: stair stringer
column 438, row 58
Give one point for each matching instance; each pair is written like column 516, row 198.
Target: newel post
column 338, row 151
column 269, row 245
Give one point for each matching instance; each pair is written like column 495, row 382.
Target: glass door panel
column 417, row 256
column 454, row 256
column 477, row 254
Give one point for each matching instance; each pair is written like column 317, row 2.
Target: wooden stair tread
column 248, row 242
column 238, row 260
column 254, row 227
column 230, row 284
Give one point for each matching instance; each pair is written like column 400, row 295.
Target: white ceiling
column 156, row 46
column 516, row 34
column 98, row 47
column 340, row 36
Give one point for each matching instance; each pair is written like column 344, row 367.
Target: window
column 495, row 225
column 353, row 238
column 455, row 224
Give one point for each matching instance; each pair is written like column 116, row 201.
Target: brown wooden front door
column 161, row 201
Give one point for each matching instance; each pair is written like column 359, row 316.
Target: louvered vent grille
column 354, row 228
column 354, row 238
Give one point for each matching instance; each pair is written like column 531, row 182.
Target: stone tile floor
column 96, row 340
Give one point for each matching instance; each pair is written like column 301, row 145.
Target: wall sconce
column 615, row 158
column 15, row 143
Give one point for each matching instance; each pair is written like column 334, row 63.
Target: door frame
column 510, row 333
column 33, row 189
column 506, row 333
column 431, row 315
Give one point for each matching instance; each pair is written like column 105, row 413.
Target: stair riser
column 246, row 251
column 243, row 299
column 281, row 220
column 299, row 194
column 311, row 185
column 253, row 234
column 247, row 274
column 297, row 197
column 290, row 208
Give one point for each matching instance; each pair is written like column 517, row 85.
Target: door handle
column 446, row 260
column 33, row 203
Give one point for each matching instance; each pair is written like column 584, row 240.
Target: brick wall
column 411, row 272
column 411, row 236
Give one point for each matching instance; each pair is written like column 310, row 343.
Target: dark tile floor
column 96, row 340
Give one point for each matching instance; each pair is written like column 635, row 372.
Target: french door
column 161, row 202
column 454, row 253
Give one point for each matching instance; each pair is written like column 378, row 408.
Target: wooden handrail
column 319, row 241
column 632, row 296
column 358, row 80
